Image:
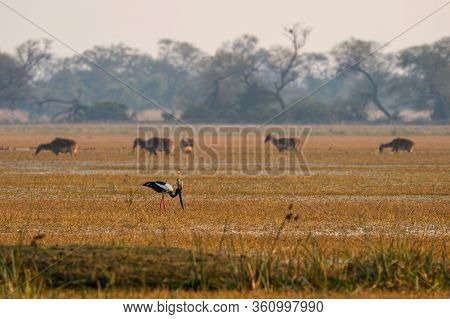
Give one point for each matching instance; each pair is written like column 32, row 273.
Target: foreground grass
column 398, row 266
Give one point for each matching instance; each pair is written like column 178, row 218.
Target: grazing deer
column 154, row 144
column 283, row 144
column 187, row 145
column 59, row 145
column 398, row 144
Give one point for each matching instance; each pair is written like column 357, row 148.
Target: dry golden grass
column 353, row 198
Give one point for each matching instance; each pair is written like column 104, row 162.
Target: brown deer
column 154, row 144
column 283, row 144
column 59, row 145
column 398, row 144
column 187, row 145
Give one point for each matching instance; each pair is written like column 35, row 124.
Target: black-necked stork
column 165, row 188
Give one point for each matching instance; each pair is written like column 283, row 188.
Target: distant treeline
column 241, row 83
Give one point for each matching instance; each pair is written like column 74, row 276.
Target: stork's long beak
column 181, row 200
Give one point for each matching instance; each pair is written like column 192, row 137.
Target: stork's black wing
column 158, row 186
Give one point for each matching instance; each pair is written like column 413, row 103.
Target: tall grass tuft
column 401, row 264
column 19, row 279
column 396, row 264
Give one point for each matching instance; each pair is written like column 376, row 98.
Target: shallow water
column 361, row 231
column 76, row 167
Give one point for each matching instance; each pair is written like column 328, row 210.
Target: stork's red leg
column 164, row 203
column 161, row 201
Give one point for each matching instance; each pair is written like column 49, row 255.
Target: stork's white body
column 165, row 188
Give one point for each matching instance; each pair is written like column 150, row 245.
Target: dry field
column 368, row 224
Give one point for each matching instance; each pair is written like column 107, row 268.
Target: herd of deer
column 152, row 145
column 166, row 145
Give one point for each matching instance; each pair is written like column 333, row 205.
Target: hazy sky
column 207, row 23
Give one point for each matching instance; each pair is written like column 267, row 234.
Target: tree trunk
column 441, row 110
column 280, row 100
column 374, row 95
column 377, row 102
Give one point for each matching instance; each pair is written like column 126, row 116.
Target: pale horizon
column 207, row 25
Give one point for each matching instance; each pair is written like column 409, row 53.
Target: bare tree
column 73, row 109
column 32, row 54
column 284, row 63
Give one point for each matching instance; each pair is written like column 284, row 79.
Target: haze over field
column 207, row 24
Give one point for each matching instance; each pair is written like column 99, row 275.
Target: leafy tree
column 18, row 72
column 427, row 78
column 246, row 59
column 14, row 81
column 102, row 111
column 124, row 62
column 107, row 111
column 349, row 109
column 176, row 64
column 311, row 110
column 359, row 57
column 216, row 91
column 255, row 105
column 241, row 82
